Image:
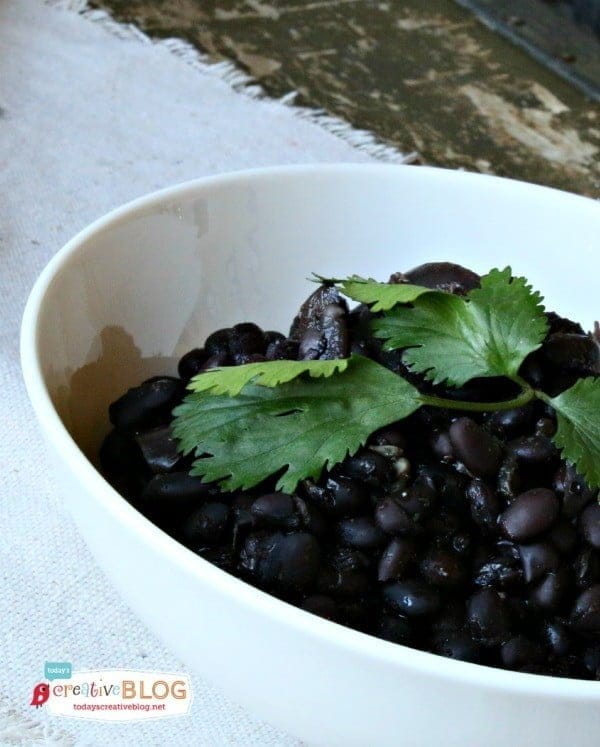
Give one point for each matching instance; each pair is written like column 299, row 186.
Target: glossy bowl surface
column 131, row 293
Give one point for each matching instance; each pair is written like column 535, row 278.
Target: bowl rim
column 334, row 634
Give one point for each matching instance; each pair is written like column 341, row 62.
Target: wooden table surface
column 424, row 75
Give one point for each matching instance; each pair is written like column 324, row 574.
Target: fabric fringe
column 241, row 82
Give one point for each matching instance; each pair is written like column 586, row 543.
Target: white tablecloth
column 92, row 115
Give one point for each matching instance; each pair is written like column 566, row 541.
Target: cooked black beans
column 590, row 525
column 276, row 509
column 361, row 532
column 191, row 364
column 538, row 559
column 444, row 276
column 206, row 525
column 396, row 559
column 488, row 617
column 531, row 514
column 148, row 404
column 463, row 536
column 159, row 449
column 478, row 450
column 586, row 612
column 320, row 605
column 485, row 504
column 392, row 518
column 412, row 598
column 552, row 590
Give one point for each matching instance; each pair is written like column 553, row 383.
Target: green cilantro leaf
column 451, row 338
column 382, row 296
column 232, row 379
column 302, row 425
column 578, row 434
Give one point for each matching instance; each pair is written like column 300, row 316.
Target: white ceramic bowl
column 127, row 296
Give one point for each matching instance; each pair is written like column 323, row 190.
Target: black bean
column 321, row 605
column 279, row 561
column 457, row 645
column 586, row 567
column 207, row 524
column 461, row 543
column 348, row 559
column 242, row 523
column 546, row 427
column 342, row 583
column 159, row 448
column 531, row 514
column 191, row 363
column 576, row 493
column 388, row 436
column 589, row 523
column 148, row 404
column 443, row 524
column 499, row 571
column 485, row 506
column 419, row 498
column 396, row 559
column 412, row 598
column 347, row 497
column 218, row 343
column 279, row 350
column 441, row 445
column 367, row 467
column 271, row 336
column 585, row 616
column 361, row 532
column 538, row 559
column 479, row 451
column 311, row 346
column 394, row 628
column 442, row 568
column 443, row 276
column 174, row 494
column 241, row 359
column 311, row 518
column 246, row 339
column 335, row 332
column 557, row 637
column 120, row 455
column 222, row 556
column 572, row 352
column 519, row 652
column 276, row 509
column 508, row 483
column 509, row 423
column 311, row 311
column 551, row 591
column 559, row 323
column 392, row 518
column 488, row 617
column 563, row 536
column 591, row 660
column 534, row 451
column 215, row 361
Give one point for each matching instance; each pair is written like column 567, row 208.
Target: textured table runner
column 92, row 115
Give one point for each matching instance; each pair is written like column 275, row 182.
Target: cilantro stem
column 526, row 395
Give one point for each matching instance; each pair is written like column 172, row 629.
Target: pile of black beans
column 463, row 535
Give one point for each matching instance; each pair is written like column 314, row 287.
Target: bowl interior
column 135, row 291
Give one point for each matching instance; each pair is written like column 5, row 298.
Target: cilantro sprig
column 296, row 418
